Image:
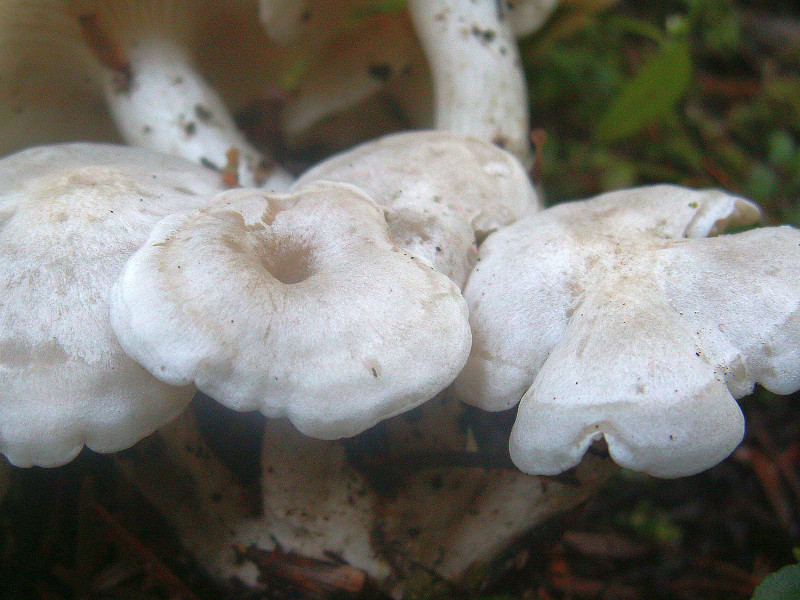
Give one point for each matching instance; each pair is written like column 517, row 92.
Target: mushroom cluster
column 133, row 279
column 359, row 306
column 337, row 307
column 615, row 318
column 298, row 304
column 170, row 76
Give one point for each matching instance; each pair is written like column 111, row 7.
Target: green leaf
column 653, row 92
column 781, row 585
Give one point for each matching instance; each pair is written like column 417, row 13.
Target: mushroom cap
column 70, row 216
column 296, row 305
column 625, row 329
column 440, row 192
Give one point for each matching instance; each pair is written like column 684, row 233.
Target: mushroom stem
column 478, row 82
column 166, row 105
column 406, row 527
column 179, row 474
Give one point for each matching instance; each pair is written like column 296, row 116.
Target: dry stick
column 320, row 579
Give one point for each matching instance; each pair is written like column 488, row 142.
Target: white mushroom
column 478, row 81
column 69, row 66
column 441, row 193
column 609, row 323
column 167, row 106
column 296, row 305
column 70, row 216
column 470, row 47
column 167, row 75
